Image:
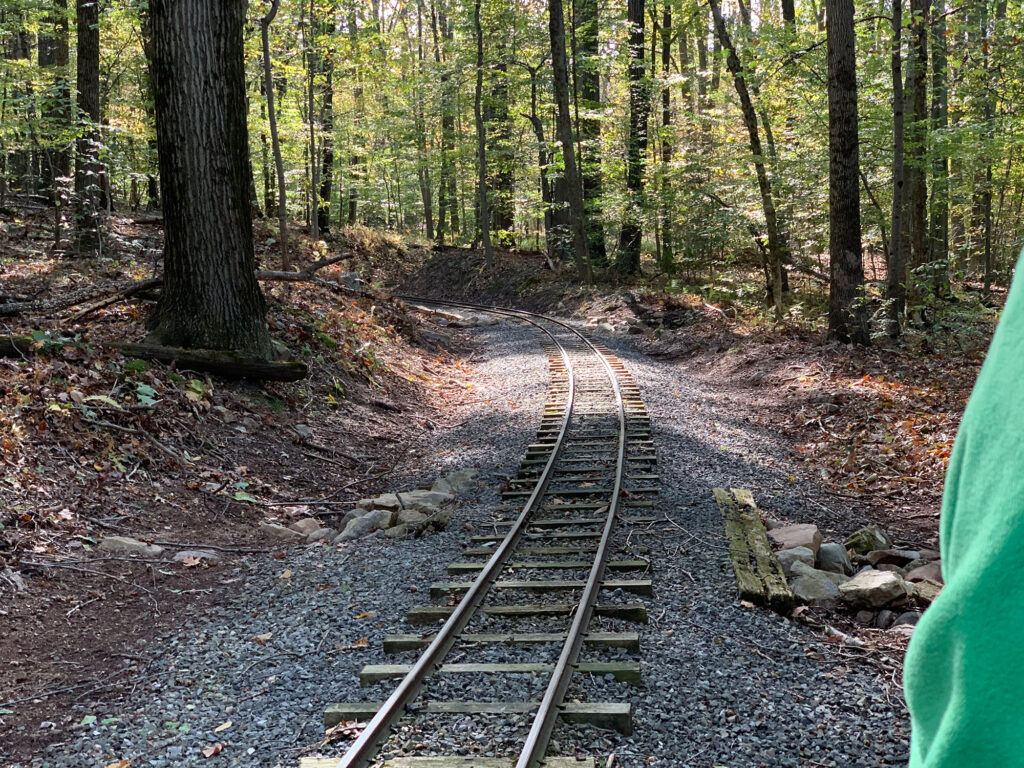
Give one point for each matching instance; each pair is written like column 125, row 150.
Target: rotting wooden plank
column 622, row 671
column 635, row 586
column 628, row 640
column 767, row 565
column 759, row 576
column 428, row 614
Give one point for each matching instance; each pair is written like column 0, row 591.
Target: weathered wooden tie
column 759, row 577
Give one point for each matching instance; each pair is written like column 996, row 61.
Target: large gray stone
column 926, row 591
column 206, row 555
column 787, row 557
column 927, row 572
column 800, row 535
column 873, row 589
column 456, row 481
column 907, row 618
column 321, row 534
column 373, row 520
column 423, row 501
column 868, row 538
column 802, row 569
column 834, row 557
column 126, row 545
column 305, row 526
column 397, row 531
column 387, row 501
column 898, row 557
column 813, row 588
column 280, row 532
column 410, row 517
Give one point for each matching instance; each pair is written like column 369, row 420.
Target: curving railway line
column 588, row 475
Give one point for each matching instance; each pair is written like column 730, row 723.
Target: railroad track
column 588, row 475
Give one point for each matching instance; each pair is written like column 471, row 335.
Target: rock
column 802, row 569
column 606, row 327
column 813, row 587
column 914, row 564
column 834, row 557
column 373, row 520
column 441, row 485
column 891, row 557
column 410, row 517
column 873, row 589
column 909, row 618
column 125, row 545
column 305, row 526
column 800, row 535
column 280, row 532
column 929, row 554
column 198, row 554
column 224, row 414
column 868, row 538
column 927, row 572
column 397, row 531
column 13, row 579
column 926, row 591
column 770, row 523
column 303, row 431
column 388, row 501
column 885, row 619
column 322, row 534
column 787, row 557
column 893, row 569
column 423, row 501
column 867, row 618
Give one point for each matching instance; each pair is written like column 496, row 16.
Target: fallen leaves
column 223, row 726
column 262, row 639
column 214, row 749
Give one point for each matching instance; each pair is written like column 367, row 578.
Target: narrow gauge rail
column 594, row 429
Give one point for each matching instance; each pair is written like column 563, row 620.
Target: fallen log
column 231, row 365
column 113, row 294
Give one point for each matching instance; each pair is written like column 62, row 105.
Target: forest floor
column 92, row 444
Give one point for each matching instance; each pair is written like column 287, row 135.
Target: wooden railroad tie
column 759, row 576
column 451, row 762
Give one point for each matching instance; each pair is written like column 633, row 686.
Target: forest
column 702, row 136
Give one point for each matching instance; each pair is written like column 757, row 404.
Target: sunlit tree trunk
column 484, row 219
column 627, row 260
column 896, row 289
column 87, row 149
column 210, row 297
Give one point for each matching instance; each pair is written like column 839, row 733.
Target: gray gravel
column 723, row 685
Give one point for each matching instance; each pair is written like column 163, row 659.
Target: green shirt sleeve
column 964, row 672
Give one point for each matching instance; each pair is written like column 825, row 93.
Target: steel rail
column 364, row 748
column 535, row 746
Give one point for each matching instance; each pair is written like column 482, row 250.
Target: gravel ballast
column 723, row 684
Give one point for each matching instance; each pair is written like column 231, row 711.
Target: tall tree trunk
column 896, row 288
column 210, row 297
column 789, row 13
column 587, row 24
column 484, row 219
column 915, row 225
column 667, row 198
column 422, row 160
column 327, row 146
column 501, row 154
column 87, row 150
column 939, row 227
column 54, row 55
column 776, row 245
column 543, row 161
column 313, row 65
column 563, row 122
column 627, row 260
column 847, row 317
column 355, row 160
column 268, row 88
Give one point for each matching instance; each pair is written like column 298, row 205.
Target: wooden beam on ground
column 759, row 577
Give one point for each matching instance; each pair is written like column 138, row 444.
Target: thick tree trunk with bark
column 896, row 266
column 789, row 13
column 847, row 317
column 563, row 122
column 268, row 89
column 938, row 241
column 211, row 298
column 323, row 211
column 588, row 84
column 915, row 212
column 501, row 155
column 484, row 219
column 627, row 260
column 667, row 198
column 776, row 246
column 87, row 151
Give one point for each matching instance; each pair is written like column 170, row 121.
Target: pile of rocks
column 395, row 515
column 887, row 586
